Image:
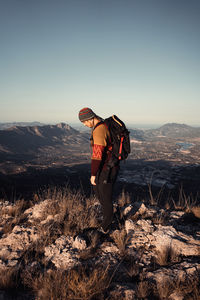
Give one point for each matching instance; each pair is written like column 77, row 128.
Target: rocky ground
column 50, row 249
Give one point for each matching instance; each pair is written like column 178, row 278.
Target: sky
column 138, row 59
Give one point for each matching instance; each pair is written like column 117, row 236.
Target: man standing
column 102, row 177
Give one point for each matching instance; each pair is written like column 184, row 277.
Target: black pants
column 104, row 191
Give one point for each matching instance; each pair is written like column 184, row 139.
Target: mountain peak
column 175, row 125
column 66, row 127
column 63, row 125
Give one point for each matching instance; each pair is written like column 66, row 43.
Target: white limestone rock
column 127, row 209
column 176, row 273
column 79, row 243
column 174, row 215
column 38, row 211
column 129, row 226
column 183, row 244
column 64, row 253
column 13, row 245
column 135, row 209
column 139, row 233
column 144, row 232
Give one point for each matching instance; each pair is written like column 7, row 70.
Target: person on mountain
column 102, row 178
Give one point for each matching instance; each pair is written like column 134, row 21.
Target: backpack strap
column 117, row 120
column 120, row 147
column 99, row 123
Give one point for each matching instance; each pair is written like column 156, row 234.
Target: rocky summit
column 52, row 249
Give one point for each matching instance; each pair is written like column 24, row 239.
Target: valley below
column 164, row 160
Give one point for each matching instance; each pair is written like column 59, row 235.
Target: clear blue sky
column 139, row 59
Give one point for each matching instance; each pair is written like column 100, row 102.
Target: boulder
column 13, row 245
column 64, row 252
column 39, row 211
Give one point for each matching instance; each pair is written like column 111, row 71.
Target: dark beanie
column 86, row 114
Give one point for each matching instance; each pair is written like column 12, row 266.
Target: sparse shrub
column 81, row 283
column 192, row 287
column 155, row 199
column 189, row 288
column 167, row 256
column 121, row 239
column 164, row 289
column 124, row 199
column 16, row 214
column 184, row 202
column 80, row 213
column 19, row 207
column 131, row 266
column 160, row 219
column 144, row 289
column 72, row 209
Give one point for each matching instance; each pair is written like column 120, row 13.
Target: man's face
column 89, row 123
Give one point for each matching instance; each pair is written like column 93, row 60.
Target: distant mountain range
column 169, row 130
column 11, row 124
column 29, row 139
column 38, row 139
column 174, row 130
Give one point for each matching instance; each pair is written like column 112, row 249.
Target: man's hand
column 92, row 180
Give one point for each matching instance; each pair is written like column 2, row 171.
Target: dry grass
column 16, row 209
column 82, row 283
column 144, row 289
column 164, row 289
column 76, row 212
column 160, row 218
column 131, row 266
column 187, row 289
column 154, row 199
column 167, row 256
column 190, row 288
column 124, row 199
column 121, row 240
column 71, row 212
column 16, row 214
column 9, row 279
column 185, row 202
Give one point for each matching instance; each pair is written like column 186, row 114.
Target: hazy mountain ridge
column 27, row 139
column 7, row 125
column 173, row 130
column 170, row 130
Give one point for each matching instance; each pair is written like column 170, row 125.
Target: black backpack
column 119, row 138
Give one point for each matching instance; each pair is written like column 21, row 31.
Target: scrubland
column 50, row 248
